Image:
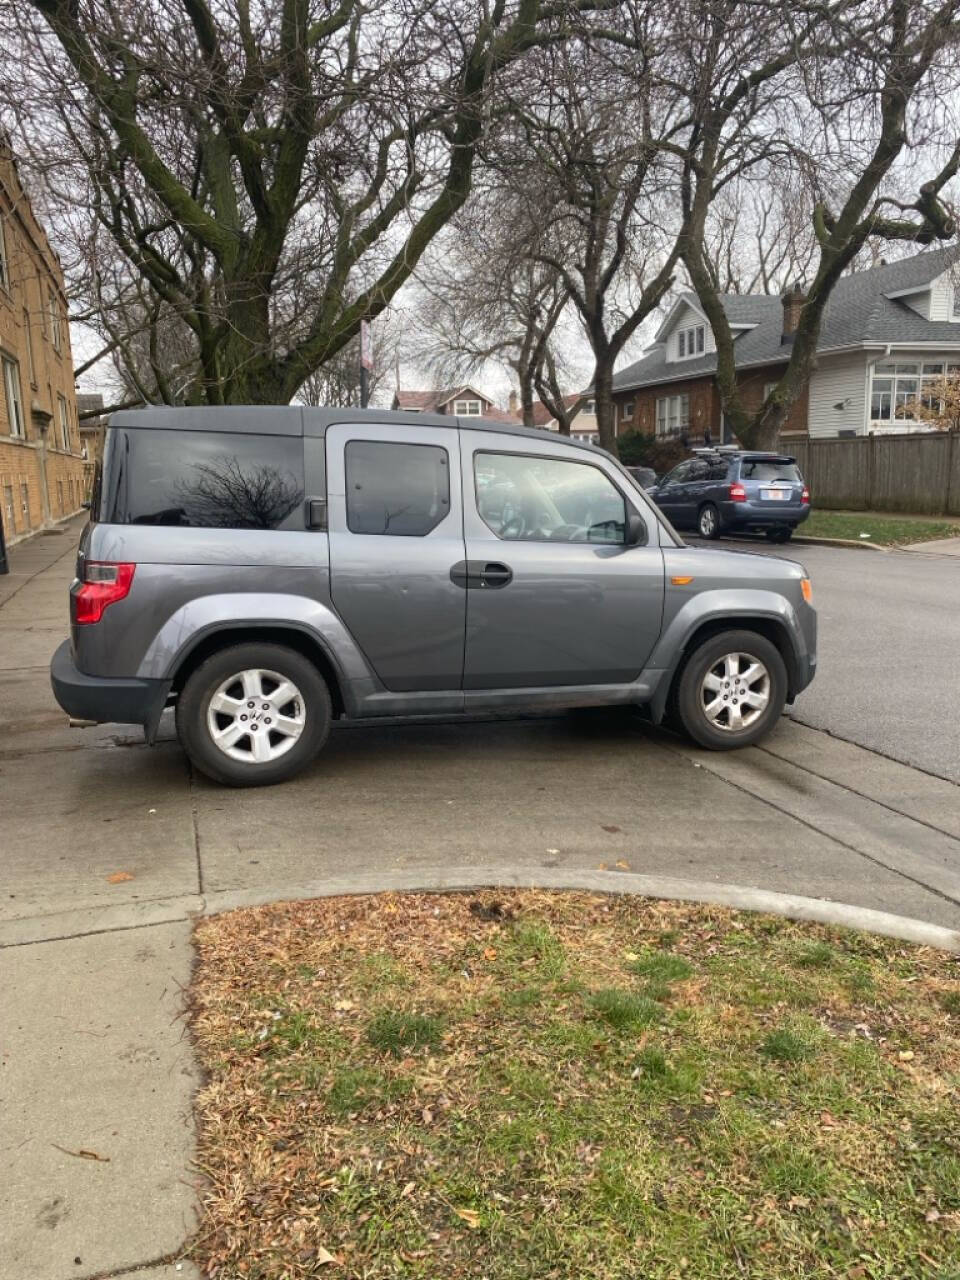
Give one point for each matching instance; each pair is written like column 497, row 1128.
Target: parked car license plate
column 777, row 495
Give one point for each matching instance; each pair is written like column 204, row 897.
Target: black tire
column 312, row 702
column 690, row 693
column 708, row 521
column 779, row 535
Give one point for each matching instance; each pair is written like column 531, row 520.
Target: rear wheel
column 253, row 714
column 708, row 521
column 780, row 535
column 732, row 690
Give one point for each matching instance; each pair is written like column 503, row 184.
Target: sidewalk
column 111, row 848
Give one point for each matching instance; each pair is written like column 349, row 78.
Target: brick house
column 41, row 465
column 888, row 334
column 464, row 402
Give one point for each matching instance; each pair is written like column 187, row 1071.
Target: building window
column 4, row 266
column 64, row 423
column 25, row 504
column 11, row 387
column 467, row 408
column 28, row 339
column 56, row 324
column 9, row 508
column 626, row 410
column 956, row 304
column 896, row 386
column 590, row 407
column 690, row 342
column 60, row 496
column 673, row 414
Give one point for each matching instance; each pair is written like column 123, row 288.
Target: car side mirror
column 636, row 531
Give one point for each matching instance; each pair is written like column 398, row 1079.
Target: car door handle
column 480, row 573
column 496, row 574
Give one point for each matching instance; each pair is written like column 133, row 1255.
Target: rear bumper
column 765, row 515
column 97, row 698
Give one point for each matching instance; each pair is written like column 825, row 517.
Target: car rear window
column 201, row 479
column 759, row 469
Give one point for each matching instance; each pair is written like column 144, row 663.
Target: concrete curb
column 805, row 541
column 444, row 880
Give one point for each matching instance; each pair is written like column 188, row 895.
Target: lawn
column 545, row 1085
column 884, row 529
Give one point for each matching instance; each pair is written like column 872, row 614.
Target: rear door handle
column 480, row 573
column 496, row 574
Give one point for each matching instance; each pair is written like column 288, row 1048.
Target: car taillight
column 103, row 584
column 738, row 493
column 805, row 496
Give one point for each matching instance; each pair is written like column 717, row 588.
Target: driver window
column 679, row 474
column 534, row 499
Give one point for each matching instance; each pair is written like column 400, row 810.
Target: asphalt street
column 889, row 670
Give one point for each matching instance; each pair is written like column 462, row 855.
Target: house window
column 64, row 423
column 956, row 304
column 673, row 414
column 4, row 267
column 56, row 324
column 25, row 504
column 626, row 410
column 895, row 387
column 60, row 496
column 590, row 407
column 11, row 387
column 690, row 342
column 467, row 408
column 9, row 509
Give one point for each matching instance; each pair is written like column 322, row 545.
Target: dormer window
column 956, row 303
column 690, row 342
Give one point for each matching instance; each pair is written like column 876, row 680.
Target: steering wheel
column 513, row 527
column 565, row 533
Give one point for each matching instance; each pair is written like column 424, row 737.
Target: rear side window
column 400, row 490
column 758, row 469
column 201, row 480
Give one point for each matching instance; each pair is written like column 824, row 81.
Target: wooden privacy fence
column 907, row 472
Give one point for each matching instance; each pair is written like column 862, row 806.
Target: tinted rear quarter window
column 757, row 469
column 398, row 490
column 202, row 480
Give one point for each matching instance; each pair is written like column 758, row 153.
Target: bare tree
column 490, row 297
column 273, row 172
column 871, row 80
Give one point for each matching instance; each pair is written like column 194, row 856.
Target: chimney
column 513, row 402
column 793, row 301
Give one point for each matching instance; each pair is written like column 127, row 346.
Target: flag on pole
column 366, row 353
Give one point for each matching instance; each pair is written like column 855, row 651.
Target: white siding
column 941, row 298
column 686, row 317
column 836, row 379
column 920, row 302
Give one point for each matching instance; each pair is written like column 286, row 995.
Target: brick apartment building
column 41, row 464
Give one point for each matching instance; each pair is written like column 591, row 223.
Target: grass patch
column 786, row 1046
column 623, row 1010
column 394, row 1031
column 883, row 529
column 421, row 1089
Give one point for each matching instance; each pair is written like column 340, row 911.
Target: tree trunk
column 606, row 409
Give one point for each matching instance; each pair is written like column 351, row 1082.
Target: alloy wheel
column 735, row 692
column 256, row 716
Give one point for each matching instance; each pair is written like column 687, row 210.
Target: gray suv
column 266, row 570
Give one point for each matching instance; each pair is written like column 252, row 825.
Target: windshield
column 764, row 469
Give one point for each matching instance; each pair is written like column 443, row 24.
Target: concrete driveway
column 108, row 846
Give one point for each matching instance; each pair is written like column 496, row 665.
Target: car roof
column 291, row 420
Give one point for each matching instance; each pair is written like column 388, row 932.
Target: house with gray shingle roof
column 464, row 401
column 888, row 334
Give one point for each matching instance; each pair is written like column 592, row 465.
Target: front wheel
column 253, row 714
column 708, row 522
column 732, row 690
